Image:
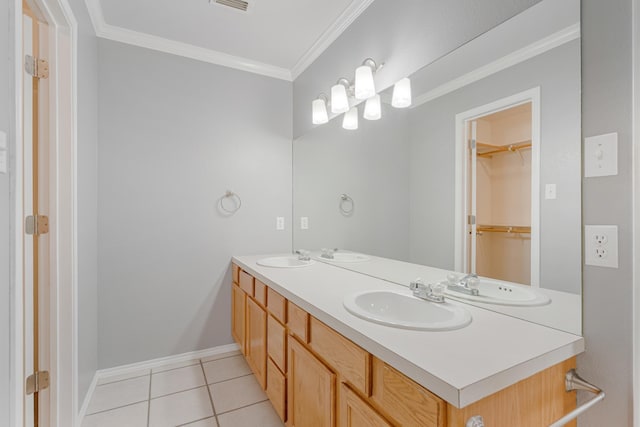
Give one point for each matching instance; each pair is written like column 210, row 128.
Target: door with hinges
column 35, row 200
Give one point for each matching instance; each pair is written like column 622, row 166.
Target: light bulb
column 365, row 87
column 339, row 100
column 319, row 109
column 402, row 94
column 373, row 108
column 350, row 121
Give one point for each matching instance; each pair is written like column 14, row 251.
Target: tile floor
column 218, row 391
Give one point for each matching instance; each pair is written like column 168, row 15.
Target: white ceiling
column 279, row 38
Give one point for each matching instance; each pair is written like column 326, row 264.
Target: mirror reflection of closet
column 502, row 194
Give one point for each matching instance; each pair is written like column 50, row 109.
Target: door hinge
column 36, row 67
column 471, row 219
column 37, row 224
column 37, row 381
column 472, row 144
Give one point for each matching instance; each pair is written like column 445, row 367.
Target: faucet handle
column 437, row 289
column 473, row 282
column 452, row 278
column 416, row 284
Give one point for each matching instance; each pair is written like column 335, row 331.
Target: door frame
column 462, row 174
column 62, row 57
column 636, row 211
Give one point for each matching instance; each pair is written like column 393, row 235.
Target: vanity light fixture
column 319, row 110
column 372, row 108
column 365, row 87
column 350, row 120
column 402, row 94
column 339, row 98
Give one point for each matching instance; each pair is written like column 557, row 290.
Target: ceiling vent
column 236, row 4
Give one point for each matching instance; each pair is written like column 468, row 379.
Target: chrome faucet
column 466, row 285
column 328, row 253
column 303, row 255
column 429, row 292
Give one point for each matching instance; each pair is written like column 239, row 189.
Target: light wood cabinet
column 298, row 322
column 257, row 341
column 311, row 389
column 238, row 303
column 277, row 389
column 277, row 343
column 355, row 412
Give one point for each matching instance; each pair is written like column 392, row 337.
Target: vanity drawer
column 246, row 282
column 298, row 322
column 277, row 343
column 406, row 402
column 277, row 389
column 277, row 305
column 260, row 292
column 349, row 360
column 235, row 273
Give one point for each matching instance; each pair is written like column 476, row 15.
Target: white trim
column 636, row 211
column 161, row 44
column 460, row 246
column 350, row 14
column 541, row 46
column 87, row 399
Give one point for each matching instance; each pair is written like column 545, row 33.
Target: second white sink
column 346, row 257
column 284, row 262
column 401, row 309
column 503, row 293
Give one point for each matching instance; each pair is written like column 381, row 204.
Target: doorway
column 497, row 189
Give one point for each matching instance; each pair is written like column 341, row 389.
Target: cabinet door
column 257, row 341
column 354, row 412
column 238, row 303
column 311, row 389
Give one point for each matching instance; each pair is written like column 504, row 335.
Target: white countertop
column 460, row 366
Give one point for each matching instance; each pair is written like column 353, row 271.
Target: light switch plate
column 3, row 140
column 280, row 223
column 550, row 192
column 304, row 223
column 601, row 155
column 601, row 245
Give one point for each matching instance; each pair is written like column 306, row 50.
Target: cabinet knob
column 476, row 421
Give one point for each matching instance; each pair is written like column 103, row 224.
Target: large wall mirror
column 480, row 176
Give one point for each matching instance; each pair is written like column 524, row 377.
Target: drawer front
column 246, row 282
column 277, row 389
column 405, row 402
column 235, row 273
column 298, row 321
column 355, row 412
column 277, row 343
column 352, row 362
column 260, row 292
column 277, row 305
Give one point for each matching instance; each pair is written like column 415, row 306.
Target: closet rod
column 504, row 229
column 502, row 148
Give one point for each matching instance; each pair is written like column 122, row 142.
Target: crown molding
column 330, row 35
column 534, row 49
column 149, row 41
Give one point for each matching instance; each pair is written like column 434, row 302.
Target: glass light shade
column 350, row 121
column 339, row 100
column 402, row 94
column 365, row 88
column 373, row 108
column 319, row 112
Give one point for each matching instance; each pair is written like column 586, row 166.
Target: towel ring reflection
column 235, row 199
column 346, row 204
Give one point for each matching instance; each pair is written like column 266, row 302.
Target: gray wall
column 371, row 166
column 407, row 38
column 432, row 133
column 608, row 293
column 87, row 199
column 174, row 135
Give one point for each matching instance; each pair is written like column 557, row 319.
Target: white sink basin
column 284, row 262
column 346, row 257
column 401, row 309
column 502, row 293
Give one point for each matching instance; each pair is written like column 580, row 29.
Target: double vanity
column 332, row 346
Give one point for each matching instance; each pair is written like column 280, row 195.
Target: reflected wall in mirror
column 480, row 175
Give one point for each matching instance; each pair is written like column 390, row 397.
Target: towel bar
column 573, row 382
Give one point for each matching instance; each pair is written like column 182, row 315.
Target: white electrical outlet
column 304, row 223
column 601, row 245
column 280, row 223
column 550, row 191
column 3, row 162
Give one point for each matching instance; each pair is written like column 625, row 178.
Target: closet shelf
column 515, row 229
column 495, row 149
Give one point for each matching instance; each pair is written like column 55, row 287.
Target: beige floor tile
column 236, row 393
column 209, row 422
column 226, row 369
column 167, row 382
column 261, row 414
column 220, row 356
column 121, row 393
column 176, row 365
column 128, row 416
column 180, row 408
column 127, row 376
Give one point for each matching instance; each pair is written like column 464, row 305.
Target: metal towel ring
column 345, row 201
column 236, row 199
